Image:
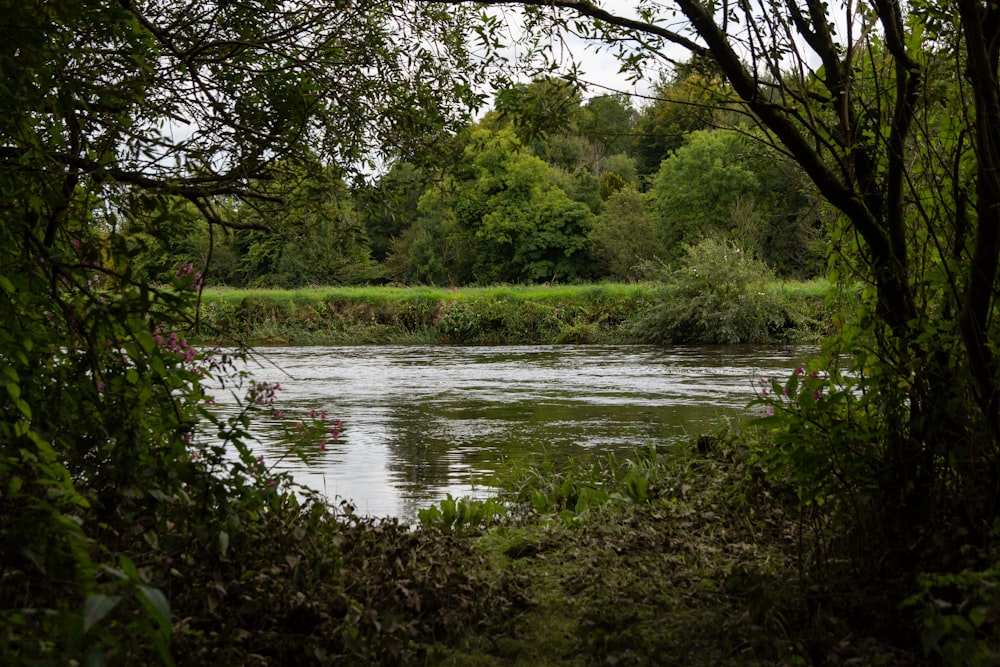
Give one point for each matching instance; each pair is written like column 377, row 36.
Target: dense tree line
column 546, row 186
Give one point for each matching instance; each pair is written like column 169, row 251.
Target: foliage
column 607, row 121
column 784, row 222
column 959, row 612
column 603, row 314
column 129, row 131
column 389, row 206
column 682, row 104
column 893, row 115
column 625, row 238
column 311, row 236
column 718, row 295
column 571, row 491
column 500, row 218
column 697, row 188
column 163, row 235
column 721, row 182
column 825, row 442
column 462, row 513
column 496, row 320
column 539, row 109
column 702, row 571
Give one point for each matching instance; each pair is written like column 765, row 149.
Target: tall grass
column 605, row 313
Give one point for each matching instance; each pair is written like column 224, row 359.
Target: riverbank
column 680, row 557
column 503, row 315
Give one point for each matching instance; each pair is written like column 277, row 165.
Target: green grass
column 508, row 314
column 391, row 294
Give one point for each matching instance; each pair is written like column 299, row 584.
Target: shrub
column 718, row 295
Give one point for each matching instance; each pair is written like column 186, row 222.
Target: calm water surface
column 420, row 422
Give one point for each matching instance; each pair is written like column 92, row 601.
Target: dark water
column 420, row 422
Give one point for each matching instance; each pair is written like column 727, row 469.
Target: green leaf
column 129, row 568
column 96, row 607
column 155, row 602
column 223, row 543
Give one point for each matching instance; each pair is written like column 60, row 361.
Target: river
column 419, row 422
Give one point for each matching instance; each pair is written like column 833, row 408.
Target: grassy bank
column 603, row 313
column 681, row 557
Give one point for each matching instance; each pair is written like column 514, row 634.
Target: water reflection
column 428, row 420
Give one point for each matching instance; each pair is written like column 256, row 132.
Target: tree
column 435, row 249
column 608, row 121
column 525, row 226
column 687, row 102
column 725, row 183
column 545, row 107
column 389, row 205
column 316, row 237
column 893, row 111
column 120, row 115
column 697, row 188
column 626, row 241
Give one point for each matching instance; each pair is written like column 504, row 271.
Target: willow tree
column 893, row 111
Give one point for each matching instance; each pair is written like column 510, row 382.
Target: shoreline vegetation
column 610, row 313
column 687, row 554
column 682, row 555
column 153, row 150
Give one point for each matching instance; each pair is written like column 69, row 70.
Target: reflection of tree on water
column 422, row 448
column 291, row 445
column 421, row 454
column 423, row 422
column 470, row 440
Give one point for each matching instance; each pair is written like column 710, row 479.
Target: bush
column 718, row 295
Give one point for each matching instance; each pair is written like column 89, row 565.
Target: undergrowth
column 698, row 564
column 579, row 314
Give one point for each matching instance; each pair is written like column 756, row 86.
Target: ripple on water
column 423, row 421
